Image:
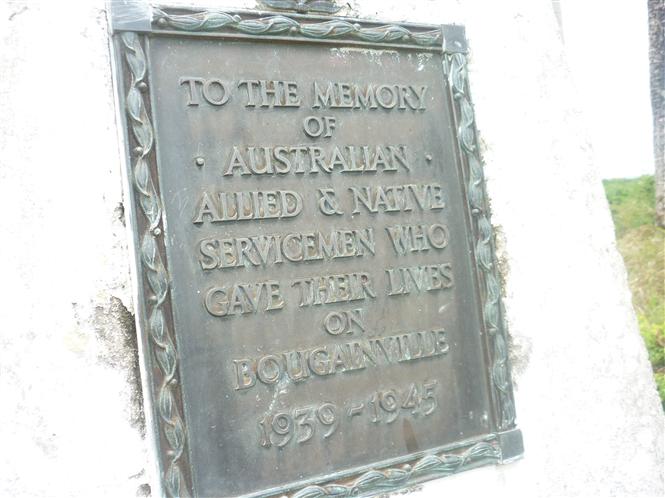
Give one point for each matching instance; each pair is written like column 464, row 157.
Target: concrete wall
column 70, row 412
column 612, row 82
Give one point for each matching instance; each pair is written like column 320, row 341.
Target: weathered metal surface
column 315, row 6
column 319, row 305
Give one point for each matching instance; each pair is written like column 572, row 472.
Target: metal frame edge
column 143, row 17
column 152, row 429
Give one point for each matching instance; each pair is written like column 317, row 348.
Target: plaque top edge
column 143, row 17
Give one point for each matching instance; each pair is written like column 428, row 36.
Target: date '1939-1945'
column 302, row 424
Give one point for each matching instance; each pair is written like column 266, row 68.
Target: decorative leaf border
column 455, row 65
column 390, row 479
column 162, row 341
column 326, row 6
column 337, row 29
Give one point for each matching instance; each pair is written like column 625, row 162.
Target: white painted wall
column 69, row 416
column 69, row 419
column 607, row 49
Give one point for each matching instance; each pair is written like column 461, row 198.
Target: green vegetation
column 642, row 245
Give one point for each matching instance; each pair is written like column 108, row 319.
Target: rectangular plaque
column 319, row 306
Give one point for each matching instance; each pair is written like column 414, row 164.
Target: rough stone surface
column 71, row 418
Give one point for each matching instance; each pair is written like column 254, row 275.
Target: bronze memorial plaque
column 319, row 305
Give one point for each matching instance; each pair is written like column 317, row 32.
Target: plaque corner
column 512, row 445
column 454, row 39
column 129, row 15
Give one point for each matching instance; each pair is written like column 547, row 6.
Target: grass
column 642, row 245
